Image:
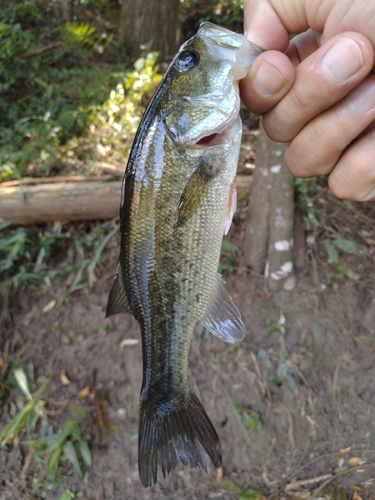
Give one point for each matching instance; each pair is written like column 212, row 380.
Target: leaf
column 71, row 455
column 15, row 426
column 263, row 355
column 85, row 452
column 22, row 382
column 250, row 493
column 231, row 485
column 333, row 255
column 346, row 246
column 337, row 470
column 284, row 374
column 53, row 464
column 228, row 246
column 225, row 266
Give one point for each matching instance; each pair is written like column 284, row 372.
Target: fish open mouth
column 214, row 139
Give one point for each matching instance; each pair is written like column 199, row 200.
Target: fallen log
column 68, row 201
column 25, row 204
column 52, row 180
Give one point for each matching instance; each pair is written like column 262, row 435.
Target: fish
column 178, row 198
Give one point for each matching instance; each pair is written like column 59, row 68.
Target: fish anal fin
column 195, row 190
column 117, row 299
column 170, row 432
column 231, row 207
column 222, row 317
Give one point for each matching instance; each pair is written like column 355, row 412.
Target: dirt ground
column 306, row 368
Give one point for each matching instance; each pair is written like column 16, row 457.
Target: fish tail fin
column 167, row 433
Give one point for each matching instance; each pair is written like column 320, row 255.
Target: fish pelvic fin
column 167, row 433
column 117, row 299
column 222, row 317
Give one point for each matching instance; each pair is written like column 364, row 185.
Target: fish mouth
column 214, row 139
column 217, row 137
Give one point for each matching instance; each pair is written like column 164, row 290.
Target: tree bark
column 280, row 271
column 67, row 13
column 269, row 228
column 25, row 205
column 154, row 20
column 256, row 235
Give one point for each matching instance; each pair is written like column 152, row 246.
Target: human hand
column 318, row 95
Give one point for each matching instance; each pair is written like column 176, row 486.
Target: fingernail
column 362, row 98
column 342, row 61
column 268, row 80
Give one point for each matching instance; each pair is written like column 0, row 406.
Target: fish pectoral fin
column 117, row 300
column 222, row 318
column 195, row 190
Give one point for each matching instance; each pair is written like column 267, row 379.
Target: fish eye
column 187, row 60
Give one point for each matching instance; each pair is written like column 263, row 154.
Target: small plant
column 283, row 372
column 306, row 193
column 27, row 256
column 69, row 495
column 228, row 261
column 51, row 448
column 67, row 444
column 244, row 493
column 27, row 418
column 333, row 247
column 251, row 419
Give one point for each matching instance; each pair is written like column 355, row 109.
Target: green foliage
column 228, row 260
column 332, row 247
column 82, row 36
column 116, row 120
column 29, row 415
column 284, row 374
column 43, row 65
column 53, row 448
column 50, row 448
column 228, row 13
column 251, row 419
column 228, row 246
column 305, row 192
column 28, row 255
column 244, row 493
column 69, row 495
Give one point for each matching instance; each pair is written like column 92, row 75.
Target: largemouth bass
column 178, row 198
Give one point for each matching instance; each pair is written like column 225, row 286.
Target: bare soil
column 307, row 367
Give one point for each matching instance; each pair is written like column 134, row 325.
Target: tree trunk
column 155, row 21
column 280, row 272
column 256, row 237
column 269, row 227
column 67, row 13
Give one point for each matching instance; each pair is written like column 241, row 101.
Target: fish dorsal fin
column 231, row 207
column 117, row 300
column 222, row 318
column 195, row 190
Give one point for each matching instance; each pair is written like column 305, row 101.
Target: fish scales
column 177, row 200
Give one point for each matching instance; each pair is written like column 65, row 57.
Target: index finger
column 264, row 27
